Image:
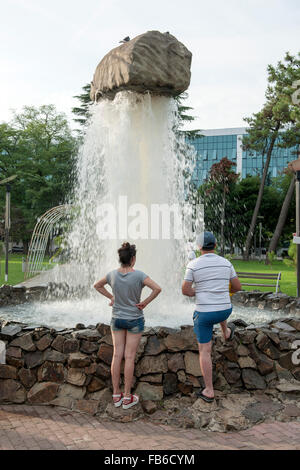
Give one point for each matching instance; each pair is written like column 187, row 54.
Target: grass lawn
column 15, row 274
column 288, row 283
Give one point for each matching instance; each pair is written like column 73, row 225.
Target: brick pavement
column 40, row 427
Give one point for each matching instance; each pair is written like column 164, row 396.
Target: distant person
column 212, row 276
column 127, row 323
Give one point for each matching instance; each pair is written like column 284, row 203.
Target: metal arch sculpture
column 40, row 236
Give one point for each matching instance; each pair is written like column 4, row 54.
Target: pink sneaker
column 134, row 399
column 120, row 401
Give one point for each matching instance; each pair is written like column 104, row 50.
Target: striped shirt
column 211, row 275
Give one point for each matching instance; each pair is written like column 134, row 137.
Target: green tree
column 38, row 146
column 82, row 110
column 276, row 123
column 216, row 195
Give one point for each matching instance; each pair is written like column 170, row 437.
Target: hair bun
column 126, row 245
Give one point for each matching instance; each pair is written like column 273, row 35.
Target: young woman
column 127, row 323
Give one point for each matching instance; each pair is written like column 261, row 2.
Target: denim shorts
column 205, row 321
column 133, row 326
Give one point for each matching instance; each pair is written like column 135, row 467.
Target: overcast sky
column 49, row 49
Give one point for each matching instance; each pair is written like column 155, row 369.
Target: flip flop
column 204, row 397
column 232, row 327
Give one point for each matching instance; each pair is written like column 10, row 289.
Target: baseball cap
column 206, row 240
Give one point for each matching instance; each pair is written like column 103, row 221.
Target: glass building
column 219, row 143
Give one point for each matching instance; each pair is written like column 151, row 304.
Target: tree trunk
column 260, row 195
column 282, row 216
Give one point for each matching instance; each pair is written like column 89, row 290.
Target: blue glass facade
column 219, row 143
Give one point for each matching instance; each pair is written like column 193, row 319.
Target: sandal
column 120, row 401
column 204, row 397
column 134, row 399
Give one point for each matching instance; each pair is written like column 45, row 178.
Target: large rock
column 27, row 377
column 14, row 352
column 76, row 376
column 102, row 370
column 152, row 365
column 232, row 373
column 192, row 364
column 87, row 334
column 264, row 364
column 44, row 342
column 170, row 383
column 11, row 391
column 7, row 372
column 54, row 356
column 182, row 341
column 95, row 385
column 175, row 362
column 88, row 347
column 34, row 359
column 86, row 406
column 8, row 332
column 123, row 416
column 105, row 353
column 149, row 392
column 288, row 386
column 25, row 342
column 154, row 346
column 51, row 372
column 153, row 62
column 152, row 378
column 253, row 380
column 68, row 390
column 79, row 360
column 58, row 343
column 43, row 392
column 70, row 346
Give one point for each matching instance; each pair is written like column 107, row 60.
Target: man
column 211, row 275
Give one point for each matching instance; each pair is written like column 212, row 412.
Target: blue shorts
column 133, row 326
column 205, row 321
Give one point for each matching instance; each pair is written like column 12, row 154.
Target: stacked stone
column 13, row 295
column 71, row 367
column 268, row 301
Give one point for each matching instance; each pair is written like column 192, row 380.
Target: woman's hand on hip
column 141, row 305
column 111, row 302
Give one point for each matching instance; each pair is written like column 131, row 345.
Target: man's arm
column 235, row 285
column 187, row 289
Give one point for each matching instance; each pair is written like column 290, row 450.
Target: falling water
column 130, row 151
column 133, row 154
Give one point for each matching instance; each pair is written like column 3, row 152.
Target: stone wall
column 71, row 367
column 13, row 295
column 268, row 301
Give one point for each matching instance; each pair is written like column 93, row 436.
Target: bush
column 271, row 257
column 292, row 260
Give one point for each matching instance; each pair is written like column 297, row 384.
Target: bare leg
column 118, row 338
column 132, row 342
column 226, row 331
column 206, row 368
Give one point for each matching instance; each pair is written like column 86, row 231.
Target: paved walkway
column 41, row 427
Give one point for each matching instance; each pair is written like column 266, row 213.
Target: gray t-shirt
column 127, row 289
